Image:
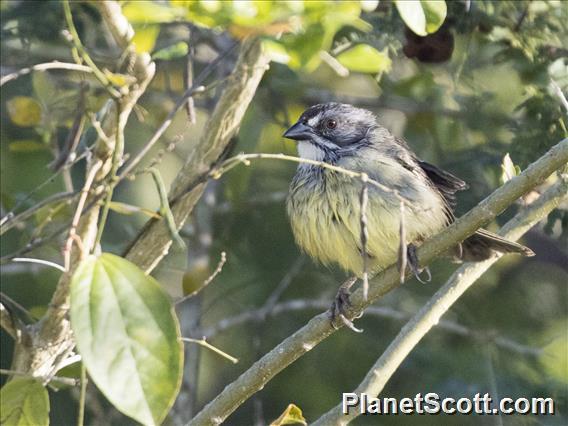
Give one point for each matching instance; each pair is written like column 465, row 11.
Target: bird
column 324, row 204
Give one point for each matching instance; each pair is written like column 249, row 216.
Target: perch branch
column 429, row 315
column 319, row 327
column 55, row 65
column 154, row 241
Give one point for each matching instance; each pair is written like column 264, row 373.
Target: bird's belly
column 326, row 223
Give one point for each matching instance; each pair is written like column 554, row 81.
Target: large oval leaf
column 422, row 16
column 24, row 402
column 128, row 336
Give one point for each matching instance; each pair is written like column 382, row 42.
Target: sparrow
column 324, row 205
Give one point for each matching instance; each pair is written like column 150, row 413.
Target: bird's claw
column 340, row 303
column 338, row 309
column 415, row 267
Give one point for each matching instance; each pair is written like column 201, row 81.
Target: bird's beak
column 299, row 131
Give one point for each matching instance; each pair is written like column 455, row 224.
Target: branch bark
column 319, row 327
column 45, row 344
column 429, row 315
column 154, row 241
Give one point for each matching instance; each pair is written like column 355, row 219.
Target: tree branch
column 55, row 65
column 319, row 327
column 295, row 305
column 429, row 315
column 50, row 340
column 154, row 241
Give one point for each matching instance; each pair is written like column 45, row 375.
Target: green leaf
column 24, row 402
column 422, row 16
column 128, row 336
column 364, row 58
column 24, row 111
column 176, row 50
column 292, row 415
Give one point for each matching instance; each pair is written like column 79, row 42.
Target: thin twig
column 165, row 210
column 39, row 261
column 242, row 158
column 205, row 344
column 195, row 88
column 55, row 65
column 63, row 380
column 217, row 270
column 402, row 255
column 208, row 281
column 9, row 222
column 75, row 222
column 74, row 36
column 190, row 104
column 82, row 396
column 8, row 322
column 116, row 158
column 364, row 201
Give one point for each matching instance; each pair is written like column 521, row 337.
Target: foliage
column 127, row 335
column 470, row 85
column 24, row 402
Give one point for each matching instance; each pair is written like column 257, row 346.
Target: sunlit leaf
column 422, row 16
column 24, row 402
column 128, row 209
column 128, row 336
column 176, row 50
column 149, row 12
column 276, row 51
column 292, row 415
column 508, row 169
column 145, row 38
column 365, row 58
column 24, row 111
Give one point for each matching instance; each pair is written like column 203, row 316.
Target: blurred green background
column 463, row 97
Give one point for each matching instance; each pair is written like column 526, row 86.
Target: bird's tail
column 482, row 244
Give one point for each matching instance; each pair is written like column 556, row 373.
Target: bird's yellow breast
column 325, row 216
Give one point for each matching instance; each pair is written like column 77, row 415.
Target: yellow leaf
column 145, row 37
column 291, row 415
column 24, row 111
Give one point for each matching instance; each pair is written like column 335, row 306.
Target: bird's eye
column 331, row 124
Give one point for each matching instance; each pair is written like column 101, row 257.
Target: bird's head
column 330, row 127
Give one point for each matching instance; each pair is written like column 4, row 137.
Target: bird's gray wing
column 446, row 183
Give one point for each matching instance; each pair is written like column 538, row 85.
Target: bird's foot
column 415, row 266
column 341, row 303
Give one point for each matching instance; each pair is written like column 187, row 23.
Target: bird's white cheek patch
column 309, row 151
